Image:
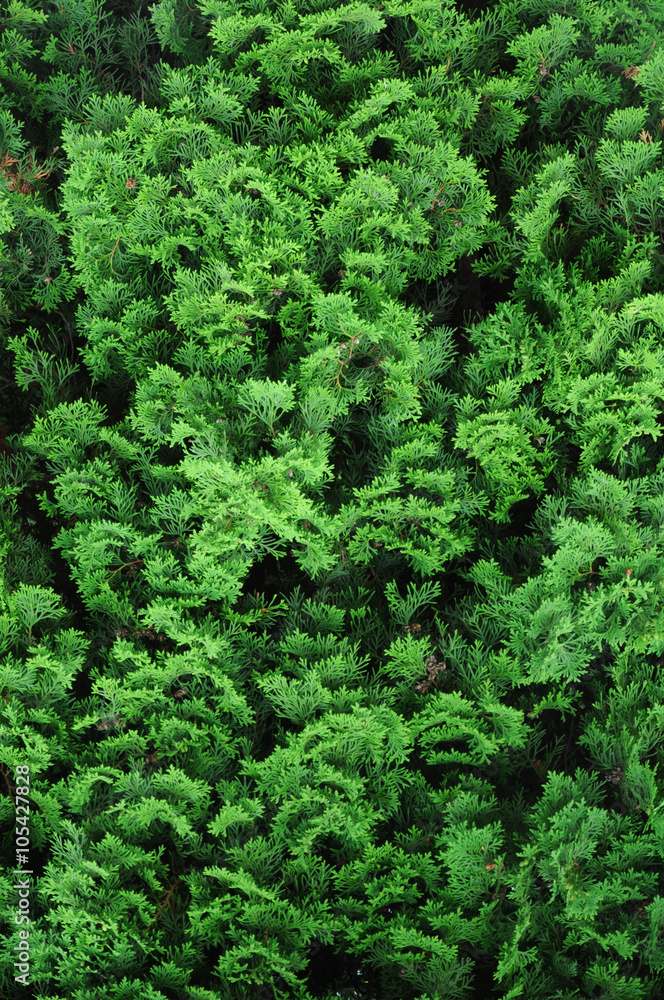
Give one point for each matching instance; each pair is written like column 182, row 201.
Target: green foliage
column 331, row 627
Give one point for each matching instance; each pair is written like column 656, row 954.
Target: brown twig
column 165, row 903
column 3, row 771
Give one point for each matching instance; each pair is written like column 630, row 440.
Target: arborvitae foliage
column 331, row 626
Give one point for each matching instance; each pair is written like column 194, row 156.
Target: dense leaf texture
column 332, row 498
